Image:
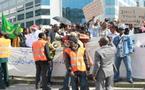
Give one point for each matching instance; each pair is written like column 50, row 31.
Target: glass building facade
column 72, row 9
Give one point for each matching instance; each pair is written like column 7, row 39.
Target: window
column 42, row 21
column 37, row 12
column 43, row 2
column 29, row 14
column 22, row 25
column 20, row 17
column 42, row 12
column 29, row 5
column 37, row 2
column 28, row 24
column 20, row 8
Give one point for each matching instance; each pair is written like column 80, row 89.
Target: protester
column 41, row 58
column 78, row 65
column 51, row 52
column 16, row 42
column 66, row 51
column 5, row 45
column 33, row 36
column 131, row 29
column 113, row 30
column 54, row 33
column 124, row 47
column 103, row 67
column 104, row 31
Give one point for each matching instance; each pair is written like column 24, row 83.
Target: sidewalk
column 31, row 87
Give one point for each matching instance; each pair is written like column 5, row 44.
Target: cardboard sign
column 94, row 8
column 132, row 15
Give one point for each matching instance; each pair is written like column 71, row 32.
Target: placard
column 132, row 15
column 93, row 9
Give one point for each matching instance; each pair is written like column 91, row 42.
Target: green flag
column 17, row 30
column 7, row 27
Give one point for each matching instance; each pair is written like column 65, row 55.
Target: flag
column 7, row 27
column 17, row 30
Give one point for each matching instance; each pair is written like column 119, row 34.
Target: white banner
column 21, row 61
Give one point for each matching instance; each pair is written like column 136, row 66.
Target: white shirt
column 30, row 38
column 131, row 31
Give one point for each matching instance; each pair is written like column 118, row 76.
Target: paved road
column 31, row 87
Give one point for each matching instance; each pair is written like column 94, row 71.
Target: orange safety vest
column 77, row 60
column 4, row 47
column 38, row 50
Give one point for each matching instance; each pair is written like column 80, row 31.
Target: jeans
column 127, row 62
column 82, row 77
column 50, row 68
column 66, row 81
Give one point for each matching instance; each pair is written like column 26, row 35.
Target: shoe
column 130, row 81
column 7, row 84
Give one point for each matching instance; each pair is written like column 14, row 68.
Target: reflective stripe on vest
column 4, row 48
column 77, row 60
column 38, row 50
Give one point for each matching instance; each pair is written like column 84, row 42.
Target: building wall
column 28, row 12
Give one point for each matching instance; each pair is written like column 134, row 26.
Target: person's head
column 121, row 28
column 103, row 41
column 55, row 28
column 126, row 31
column 34, row 28
column 113, row 27
column 104, row 25
column 130, row 26
column 73, row 27
column 73, row 43
column 62, row 25
column 42, row 36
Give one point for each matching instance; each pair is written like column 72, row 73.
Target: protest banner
column 21, row 61
column 93, row 9
column 132, row 15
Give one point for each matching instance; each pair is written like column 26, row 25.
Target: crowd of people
column 115, row 45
